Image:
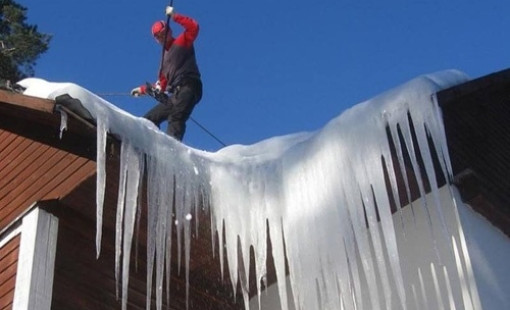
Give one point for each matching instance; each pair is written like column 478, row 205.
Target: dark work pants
column 178, row 107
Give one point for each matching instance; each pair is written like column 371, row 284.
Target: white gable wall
column 446, row 278
column 489, row 250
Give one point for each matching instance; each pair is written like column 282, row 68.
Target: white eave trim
column 13, row 233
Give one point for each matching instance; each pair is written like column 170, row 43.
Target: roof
column 60, row 174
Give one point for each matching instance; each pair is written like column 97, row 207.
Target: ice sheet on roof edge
column 307, row 186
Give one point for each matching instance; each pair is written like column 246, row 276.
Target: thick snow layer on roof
column 323, row 195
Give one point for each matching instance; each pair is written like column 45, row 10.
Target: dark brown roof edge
column 464, row 89
column 34, row 103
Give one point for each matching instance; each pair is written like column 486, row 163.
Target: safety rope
column 112, row 94
column 207, row 131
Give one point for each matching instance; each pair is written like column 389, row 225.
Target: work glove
column 169, row 11
column 157, row 86
column 136, row 92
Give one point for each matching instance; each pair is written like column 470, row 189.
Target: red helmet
column 157, row 27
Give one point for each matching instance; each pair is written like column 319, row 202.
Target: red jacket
column 179, row 60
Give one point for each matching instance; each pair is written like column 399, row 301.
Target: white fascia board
column 34, row 277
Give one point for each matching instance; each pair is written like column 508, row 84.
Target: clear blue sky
column 271, row 68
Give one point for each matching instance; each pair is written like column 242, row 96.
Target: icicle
column 390, row 243
column 168, row 219
column 426, row 304
column 402, row 166
column 473, row 291
column 354, row 299
column 362, row 242
column 466, row 297
column 63, row 120
column 350, row 252
column 437, row 289
column 437, row 129
column 164, row 226
column 119, row 223
column 138, row 221
column 451, row 302
column 421, row 132
column 279, row 262
column 406, row 132
column 390, row 168
column 102, row 127
column 163, row 221
column 153, row 205
column 415, row 298
column 134, row 162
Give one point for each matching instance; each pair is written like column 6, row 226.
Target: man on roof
column 179, row 75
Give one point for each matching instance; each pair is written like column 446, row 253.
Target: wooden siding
column 31, row 171
column 35, row 163
column 8, row 265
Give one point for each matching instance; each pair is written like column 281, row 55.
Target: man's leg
column 158, row 113
column 183, row 102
